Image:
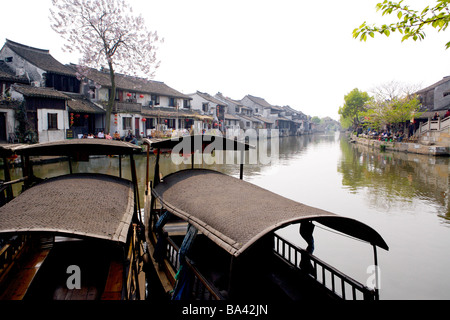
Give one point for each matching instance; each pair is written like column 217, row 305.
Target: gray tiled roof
column 260, row 101
column 79, row 103
column 40, row 58
column 133, row 84
column 7, row 74
column 210, row 98
column 40, row 92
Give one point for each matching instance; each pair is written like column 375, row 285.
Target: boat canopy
column 79, row 147
column 7, row 150
column 235, row 214
column 87, row 205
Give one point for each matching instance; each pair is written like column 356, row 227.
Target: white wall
column 10, row 121
column 33, row 72
column 46, row 135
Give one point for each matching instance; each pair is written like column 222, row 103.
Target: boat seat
column 113, row 287
column 17, row 286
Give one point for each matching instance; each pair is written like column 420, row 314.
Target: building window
column 155, row 100
column 205, row 107
column 171, row 102
column 186, row 104
column 126, row 121
column 52, row 121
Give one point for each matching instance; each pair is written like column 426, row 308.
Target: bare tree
column 106, row 32
column 392, row 90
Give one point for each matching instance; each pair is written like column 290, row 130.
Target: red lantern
column 128, row 94
column 77, row 115
column 143, row 119
column 141, row 96
column 86, row 116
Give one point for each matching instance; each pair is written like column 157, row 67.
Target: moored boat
column 75, row 236
column 213, row 236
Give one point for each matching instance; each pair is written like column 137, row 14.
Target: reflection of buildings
column 391, row 174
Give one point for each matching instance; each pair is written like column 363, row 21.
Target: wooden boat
column 213, row 236
column 75, row 236
column 7, row 154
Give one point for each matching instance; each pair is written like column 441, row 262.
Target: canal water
column 405, row 197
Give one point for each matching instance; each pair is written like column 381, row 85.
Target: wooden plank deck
column 18, row 284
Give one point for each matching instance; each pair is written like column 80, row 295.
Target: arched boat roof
column 84, row 205
column 77, row 147
column 7, row 150
column 199, row 142
column 235, row 214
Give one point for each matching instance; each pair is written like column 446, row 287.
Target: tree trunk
column 112, row 99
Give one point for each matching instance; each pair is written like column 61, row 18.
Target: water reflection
column 396, row 179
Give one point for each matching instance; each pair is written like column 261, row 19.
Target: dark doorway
column 2, row 126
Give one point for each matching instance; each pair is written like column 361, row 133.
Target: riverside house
column 141, row 105
column 69, row 101
column 44, row 99
column 45, row 85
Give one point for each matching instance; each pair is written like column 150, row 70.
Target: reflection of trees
column 390, row 177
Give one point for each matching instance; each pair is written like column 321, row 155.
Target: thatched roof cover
column 97, row 206
column 7, row 150
column 241, row 213
column 79, row 147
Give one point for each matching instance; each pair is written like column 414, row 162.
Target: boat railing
column 133, row 292
column 10, row 252
column 202, row 289
column 172, row 254
column 6, row 193
column 333, row 280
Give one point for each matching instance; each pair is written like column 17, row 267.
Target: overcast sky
column 289, row 52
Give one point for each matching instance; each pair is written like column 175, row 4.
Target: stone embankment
column 433, row 150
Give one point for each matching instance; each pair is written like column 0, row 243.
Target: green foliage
column 315, row 120
column 354, row 107
column 410, row 23
column 345, row 122
column 398, row 110
column 25, row 130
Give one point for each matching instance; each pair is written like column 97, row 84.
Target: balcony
column 125, row 106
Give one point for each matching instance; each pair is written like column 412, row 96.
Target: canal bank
column 419, row 148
